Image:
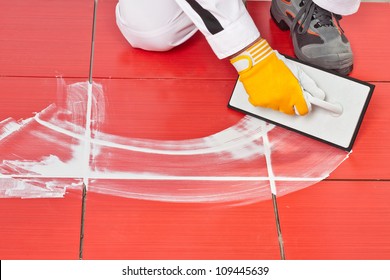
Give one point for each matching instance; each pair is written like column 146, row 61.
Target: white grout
column 87, row 136
column 267, row 153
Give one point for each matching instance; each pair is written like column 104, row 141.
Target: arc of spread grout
column 187, row 198
column 245, row 133
column 154, row 177
column 151, row 150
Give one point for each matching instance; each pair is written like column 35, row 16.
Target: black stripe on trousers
column 210, row 21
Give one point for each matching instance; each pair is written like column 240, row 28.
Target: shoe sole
column 344, row 61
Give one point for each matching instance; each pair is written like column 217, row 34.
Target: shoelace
column 311, row 11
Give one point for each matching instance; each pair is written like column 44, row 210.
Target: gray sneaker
column 316, row 34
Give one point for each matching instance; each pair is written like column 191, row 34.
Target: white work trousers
column 160, row 25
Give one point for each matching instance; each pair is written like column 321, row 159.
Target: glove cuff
column 251, row 56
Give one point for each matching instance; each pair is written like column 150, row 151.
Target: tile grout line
column 271, row 176
column 87, row 136
column 278, row 227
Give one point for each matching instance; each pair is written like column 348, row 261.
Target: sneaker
column 316, row 33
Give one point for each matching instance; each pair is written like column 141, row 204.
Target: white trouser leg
column 153, row 25
column 160, row 25
column 342, row 7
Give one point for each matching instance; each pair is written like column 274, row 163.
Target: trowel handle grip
column 335, row 108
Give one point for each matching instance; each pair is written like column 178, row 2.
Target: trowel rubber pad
column 339, row 130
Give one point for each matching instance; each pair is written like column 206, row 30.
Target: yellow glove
column 270, row 82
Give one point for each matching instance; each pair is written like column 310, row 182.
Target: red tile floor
column 173, row 96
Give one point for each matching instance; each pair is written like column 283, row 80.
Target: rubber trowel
column 335, row 120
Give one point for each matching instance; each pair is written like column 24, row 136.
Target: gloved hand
column 272, row 81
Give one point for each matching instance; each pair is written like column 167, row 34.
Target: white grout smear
column 268, row 161
column 36, row 187
column 62, row 147
column 87, row 137
column 7, row 127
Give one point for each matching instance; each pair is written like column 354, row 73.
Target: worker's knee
column 154, row 33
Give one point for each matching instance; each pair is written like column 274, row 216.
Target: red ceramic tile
column 40, row 201
column 45, row 38
column 163, row 154
column 337, row 220
column 41, row 228
column 40, row 134
column 367, row 33
column 122, row 228
column 166, row 109
column 21, row 97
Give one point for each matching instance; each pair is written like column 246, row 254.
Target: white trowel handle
column 335, row 108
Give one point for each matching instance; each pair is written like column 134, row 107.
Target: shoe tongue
column 323, row 17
